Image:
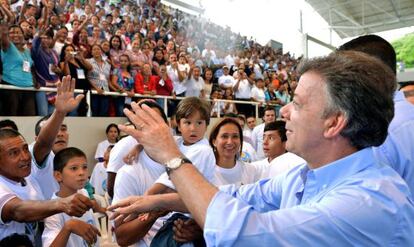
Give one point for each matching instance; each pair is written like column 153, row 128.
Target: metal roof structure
column 350, row 18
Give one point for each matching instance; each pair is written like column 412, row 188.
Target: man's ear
column 334, row 124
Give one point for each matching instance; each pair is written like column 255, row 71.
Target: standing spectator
column 226, row 80
column 123, row 82
column 145, row 82
column 258, row 95
column 283, row 96
column 208, row 83
column 195, row 83
column 17, row 71
column 116, row 50
column 242, row 88
column 46, row 62
column 99, row 76
column 74, row 64
column 164, row 85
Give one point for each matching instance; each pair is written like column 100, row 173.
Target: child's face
column 74, row 175
column 192, row 128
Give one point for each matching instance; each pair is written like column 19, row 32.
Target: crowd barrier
column 88, row 97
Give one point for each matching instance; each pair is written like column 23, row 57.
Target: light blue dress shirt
column 350, row 202
column 398, row 149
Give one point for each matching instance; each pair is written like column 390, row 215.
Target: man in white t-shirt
column 226, row 80
column 257, row 133
column 251, row 123
column 242, row 89
column 51, row 137
column 176, row 76
column 21, row 198
column 274, row 139
column 195, row 83
column 116, row 160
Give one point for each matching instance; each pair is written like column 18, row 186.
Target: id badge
column 102, row 77
column 26, row 66
column 81, row 73
column 128, row 100
column 51, row 69
column 162, row 83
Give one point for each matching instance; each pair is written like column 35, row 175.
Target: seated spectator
column 226, row 140
column 112, row 135
column 99, row 176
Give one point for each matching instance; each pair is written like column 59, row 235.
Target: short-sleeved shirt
column 13, row 61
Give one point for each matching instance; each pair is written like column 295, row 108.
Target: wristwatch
column 175, row 163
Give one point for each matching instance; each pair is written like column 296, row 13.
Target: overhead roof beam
column 397, row 14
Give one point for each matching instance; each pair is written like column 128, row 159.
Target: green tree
column 404, row 47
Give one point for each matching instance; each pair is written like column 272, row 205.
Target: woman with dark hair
column 99, row 77
column 123, row 82
column 112, row 134
column 74, row 64
column 208, row 83
column 116, row 50
column 226, row 139
column 46, row 62
column 17, row 71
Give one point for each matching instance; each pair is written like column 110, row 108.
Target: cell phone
column 73, row 53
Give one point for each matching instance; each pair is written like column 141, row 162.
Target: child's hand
column 86, row 231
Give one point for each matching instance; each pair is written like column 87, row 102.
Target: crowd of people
column 330, row 166
column 132, row 48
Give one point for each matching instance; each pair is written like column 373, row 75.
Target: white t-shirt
column 43, row 174
column 200, row 154
column 55, row 223
column 134, row 180
column 283, row 163
column 194, row 87
column 102, row 146
column 257, row 138
column 248, row 153
column 10, row 189
column 258, row 94
column 244, row 91
column 262, row 167
column 178, row 85
column 226, row 81
column 118, row 152
column 240, row 174
column 99, row 179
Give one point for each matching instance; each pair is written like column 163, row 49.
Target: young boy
column 71, row 172
column 192, row 116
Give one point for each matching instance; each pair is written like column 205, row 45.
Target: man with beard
column 51, row 137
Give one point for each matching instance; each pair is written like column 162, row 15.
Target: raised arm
column 4, row 36
column 65, row 103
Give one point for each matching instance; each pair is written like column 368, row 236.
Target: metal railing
column 88, row 97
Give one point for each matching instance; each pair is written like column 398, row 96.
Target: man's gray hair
column 357, row 85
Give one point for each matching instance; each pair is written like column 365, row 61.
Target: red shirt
column 165, row 89
column 140, row 86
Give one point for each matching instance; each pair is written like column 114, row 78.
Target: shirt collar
column 399, row 96
column 338, row 170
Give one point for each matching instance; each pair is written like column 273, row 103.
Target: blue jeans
column 42, row 105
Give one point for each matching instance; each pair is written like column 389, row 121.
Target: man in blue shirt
column 341, row 196
column 398, row 149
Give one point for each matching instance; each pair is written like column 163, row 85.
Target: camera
column 73, row 53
